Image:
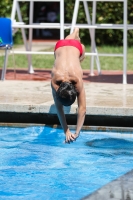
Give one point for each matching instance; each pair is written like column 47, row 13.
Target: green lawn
column 46, row 61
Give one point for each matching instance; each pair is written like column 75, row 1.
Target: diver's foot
column 76, row 31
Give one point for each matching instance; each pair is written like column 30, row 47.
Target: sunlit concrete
column 36, row 97
column 119, row 189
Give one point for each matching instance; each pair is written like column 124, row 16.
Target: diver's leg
column 74, row 35
column 83, row 54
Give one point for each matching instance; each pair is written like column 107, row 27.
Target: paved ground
column 119, row 189
column 105, row 94
column 102, row 98
column 45, row 75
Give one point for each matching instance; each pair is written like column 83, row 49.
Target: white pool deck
column 36, row 97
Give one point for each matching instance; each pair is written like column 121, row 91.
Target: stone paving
column 105, row 94
column 35, row 96
column 119, row 189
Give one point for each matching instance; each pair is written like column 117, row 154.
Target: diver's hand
column 70, row 137
column 76, row 135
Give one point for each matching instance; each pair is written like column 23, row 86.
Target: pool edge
column 118, row 189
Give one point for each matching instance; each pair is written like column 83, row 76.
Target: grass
column 46, row 61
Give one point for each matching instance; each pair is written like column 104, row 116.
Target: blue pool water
column 35, row 164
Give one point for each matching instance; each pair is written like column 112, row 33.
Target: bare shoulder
column 79, row 85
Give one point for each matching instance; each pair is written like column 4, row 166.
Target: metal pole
column 90, row 30
column 125, row 43
column 62, row 19
column 75, row 13
column 14, row 7
column 30, row 68
column 92, row 42
column 5, row 64
column 23, row 33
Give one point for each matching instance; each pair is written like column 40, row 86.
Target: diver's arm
column 81, row 110
column 60, row 112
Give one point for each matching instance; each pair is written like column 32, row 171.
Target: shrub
column 107, row 12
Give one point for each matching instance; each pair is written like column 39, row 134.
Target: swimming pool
column 35, row 164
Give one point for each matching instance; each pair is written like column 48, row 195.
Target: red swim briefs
column 69, row 42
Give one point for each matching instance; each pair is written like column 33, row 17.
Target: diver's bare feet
column 76, row 32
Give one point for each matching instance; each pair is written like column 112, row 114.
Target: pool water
column 35, row 164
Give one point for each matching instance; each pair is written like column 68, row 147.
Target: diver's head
column 66, row 93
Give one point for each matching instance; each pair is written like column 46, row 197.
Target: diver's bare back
column 67, row 65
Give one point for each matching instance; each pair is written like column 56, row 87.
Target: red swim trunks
column 69, row 42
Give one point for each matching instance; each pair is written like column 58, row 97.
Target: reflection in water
column 110, row 143
column 110, row 147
